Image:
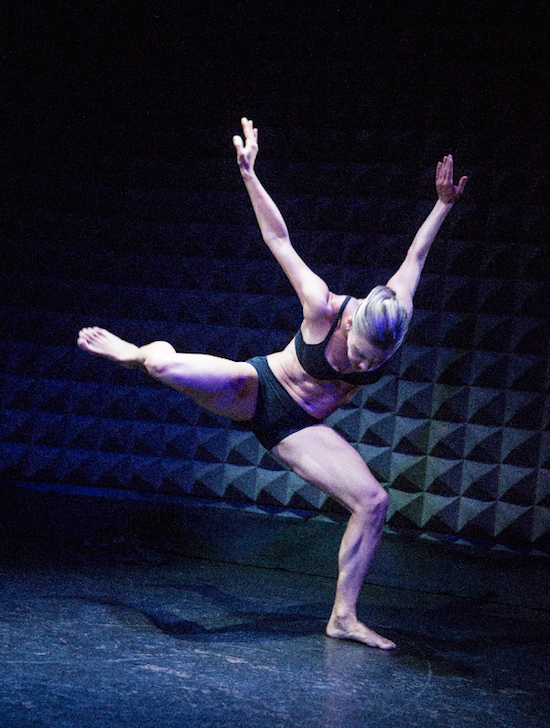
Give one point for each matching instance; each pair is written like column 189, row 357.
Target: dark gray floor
column 93, row 637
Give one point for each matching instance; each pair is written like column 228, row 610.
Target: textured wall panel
column 458, row 428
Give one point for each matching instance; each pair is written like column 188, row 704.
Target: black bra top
column 313, row 360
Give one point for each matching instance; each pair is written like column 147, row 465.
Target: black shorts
column 277, row 415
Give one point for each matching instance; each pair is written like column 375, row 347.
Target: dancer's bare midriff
column 319, row 399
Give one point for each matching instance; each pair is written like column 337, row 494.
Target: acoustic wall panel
column 457, row 430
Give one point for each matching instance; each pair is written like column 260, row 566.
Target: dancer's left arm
column 405, row 281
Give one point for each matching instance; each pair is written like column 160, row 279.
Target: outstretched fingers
column 444, row 172
column 446, row 189
column 462, row 185
column 238, row 144
column 250, row 133
column 247, row 149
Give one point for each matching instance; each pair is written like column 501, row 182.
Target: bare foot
column 102, row 343
column 352, row 629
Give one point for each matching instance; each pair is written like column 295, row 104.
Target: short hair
column 382, row 318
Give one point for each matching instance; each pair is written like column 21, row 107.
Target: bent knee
column 157, row 357
column 373, row 502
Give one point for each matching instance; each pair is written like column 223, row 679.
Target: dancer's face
column 364, row 356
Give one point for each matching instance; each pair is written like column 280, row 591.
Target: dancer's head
column 381, row 320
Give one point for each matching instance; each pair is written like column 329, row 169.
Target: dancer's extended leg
column 222, row 386
column 323, row 458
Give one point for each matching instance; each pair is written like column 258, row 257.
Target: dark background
column 122, row 206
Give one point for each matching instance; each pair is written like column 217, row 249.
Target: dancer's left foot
column 350, row 628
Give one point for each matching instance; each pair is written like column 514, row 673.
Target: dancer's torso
column 320, row 396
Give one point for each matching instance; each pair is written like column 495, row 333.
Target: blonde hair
column 382, row 318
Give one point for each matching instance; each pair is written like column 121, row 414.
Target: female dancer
column 284, row 397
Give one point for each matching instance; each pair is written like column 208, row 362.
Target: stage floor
column 122, row 636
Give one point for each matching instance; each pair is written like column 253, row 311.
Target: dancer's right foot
column 101, row 342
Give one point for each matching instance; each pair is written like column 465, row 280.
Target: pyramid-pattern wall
column 138, row 221
column 457, row 431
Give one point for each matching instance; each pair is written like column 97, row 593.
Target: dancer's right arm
column 312, row 291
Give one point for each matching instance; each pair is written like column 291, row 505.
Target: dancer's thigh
column 223, row 386
column 327, row 461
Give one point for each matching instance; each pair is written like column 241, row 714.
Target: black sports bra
column 313, row 360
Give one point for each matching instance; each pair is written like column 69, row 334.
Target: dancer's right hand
column 246, row 153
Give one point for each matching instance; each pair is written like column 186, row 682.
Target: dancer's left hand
column 447, row 191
